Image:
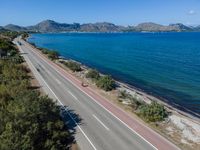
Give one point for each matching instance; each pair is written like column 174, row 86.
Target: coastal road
column 99, row 124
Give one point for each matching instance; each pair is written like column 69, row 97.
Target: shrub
column 44, row 51
column 93, row 74
column 123, row 94
column 13, row 52
column 28, row 120
column 74, row 66
column 152, row 112
column 53, row 54
column 6, row 45
column 135, row 103
column 106, row 83
column 25, row 35
column 50, row 53
column 18, row 59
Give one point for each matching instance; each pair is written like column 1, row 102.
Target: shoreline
column 159, row 99
column 170, row 128
column 145, row 95
column 149, row 96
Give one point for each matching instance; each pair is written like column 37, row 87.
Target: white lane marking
column 63, row 105
column 72, row 95
column 101, row 122
column 57, row 81
column 48, row 71
column 50, row 74
column 96, row 102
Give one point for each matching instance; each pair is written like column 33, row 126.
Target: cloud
column 191, row 12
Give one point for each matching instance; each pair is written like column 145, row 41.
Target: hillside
column 52, row 26
column 13, row 27
column 154, row 27
column 181, row 27
column 99, row 27
column 197, row 28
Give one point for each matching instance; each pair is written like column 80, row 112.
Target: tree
column 53, row 55
column 25, row 35
column 93, row 74
column 74, row 66
column 6, row 45
column 28, row 121
column 34, row 123
column 152, row 112
column 106, row 83
column 13, row 52
column 44, row 51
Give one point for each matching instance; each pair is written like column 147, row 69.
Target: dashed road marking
column 101, row 122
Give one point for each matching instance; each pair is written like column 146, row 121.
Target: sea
column 166, row 65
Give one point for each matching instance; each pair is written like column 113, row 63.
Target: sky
column 120, row 12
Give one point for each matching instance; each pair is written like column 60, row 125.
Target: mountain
column 52, row 26
column 13, row 27
column 153, row 27
column 99, row 27
column 181, row 27
column 2, row 29
column 197, row 28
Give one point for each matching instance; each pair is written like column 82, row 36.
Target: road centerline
column 57, row 81
column 101, row 122
column 72, row 95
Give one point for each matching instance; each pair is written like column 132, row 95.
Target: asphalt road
column 96, row 128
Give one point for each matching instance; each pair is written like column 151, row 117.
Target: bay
column 165, row 65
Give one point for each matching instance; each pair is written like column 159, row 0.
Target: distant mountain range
column 52, row 26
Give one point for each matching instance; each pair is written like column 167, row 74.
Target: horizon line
column 102, row 22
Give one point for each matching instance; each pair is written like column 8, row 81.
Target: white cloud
column 191, row 12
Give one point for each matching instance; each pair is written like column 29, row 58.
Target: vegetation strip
column 28, row 120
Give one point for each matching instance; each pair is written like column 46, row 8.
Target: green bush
column 44, row 51
column 152, row 112
column 28, row 120
column 9, row 34
column 6, row 45
column 24, row 35
column 52, row 55
column 123, row 94
column 13, row 52
column 93, row 74
column 74, row 66
column 135, row 103
column 17, row 59
column 106, row 83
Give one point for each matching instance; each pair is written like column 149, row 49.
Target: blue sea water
column 166, row 65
